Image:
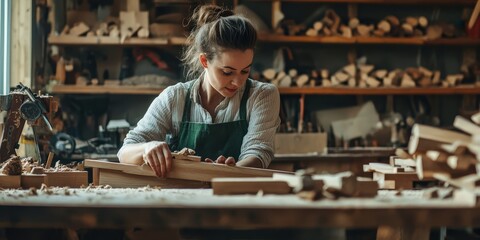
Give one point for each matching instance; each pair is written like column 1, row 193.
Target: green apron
column 213, row 140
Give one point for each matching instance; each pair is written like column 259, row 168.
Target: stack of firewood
column 362, row 75
column 449, row 156
column 390, row 26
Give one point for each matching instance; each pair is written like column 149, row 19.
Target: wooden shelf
column 75, row 89
column 74, row 40
column 340, row 90
column 395, row 2
column 367, row 40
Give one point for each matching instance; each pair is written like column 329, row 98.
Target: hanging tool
column 22, row 105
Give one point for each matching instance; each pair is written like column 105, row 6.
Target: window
column 5, row 9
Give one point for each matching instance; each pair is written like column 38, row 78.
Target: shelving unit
column 127, row 90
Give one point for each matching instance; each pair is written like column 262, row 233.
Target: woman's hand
column 157, row 154
column 230, row 161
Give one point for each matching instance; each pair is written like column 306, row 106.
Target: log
column 437, row 156
column 434, row 32
column 436, row 77
column 302, row 80
column 366, row 68
column 324, row 73
column 425, row 72
column 293, row 72
column 341, row 76
column 352, row 82
column 346, row 31
column 407, row 29
column 393, row 20
column 412, row 21
column 364, row 30
column 318, row 25
column 381, row 73
column 350, row 69
column 372, row 82
column 353, row 23
column 269, row 73
column 311, row 32
column 407, row 81
column 423, row 22
column 385, row 26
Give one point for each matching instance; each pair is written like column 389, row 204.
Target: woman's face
column 228, row 71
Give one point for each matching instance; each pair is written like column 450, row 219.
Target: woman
column 224, row 116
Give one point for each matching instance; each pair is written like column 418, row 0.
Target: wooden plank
column 228, row 186
column 7, row 181
column 425, row 138
column 33, row 180
column 466, row 125
column 119, row 179
column 72, row 179
column 188, row 170
column 21, row 43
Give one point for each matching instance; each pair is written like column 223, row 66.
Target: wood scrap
column 229, row 186
column 425, row 138
column 466, row 125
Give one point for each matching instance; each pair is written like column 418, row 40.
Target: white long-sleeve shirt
column 165, row 114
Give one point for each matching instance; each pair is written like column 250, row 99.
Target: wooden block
column 426, row 168
column 350, row 69
column 299, row 183
column 476, row 118
column 425, row 138
column 187, row 170
column 343, row 182
column 469, row 182
column 404, row 162
column 33, row 180
column 119, row 179
column 466, row 125
column 9, row 181
column 74, row 179
column 228, row 186
column 437, row 156
column 395, row 180
column 366, row 187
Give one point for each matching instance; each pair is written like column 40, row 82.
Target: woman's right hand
column 158, row 155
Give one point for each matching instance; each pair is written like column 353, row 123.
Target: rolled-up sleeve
column 263, row 123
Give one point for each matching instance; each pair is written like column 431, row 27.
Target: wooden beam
column 425, row 138
column 21, row 43
column 187, row 170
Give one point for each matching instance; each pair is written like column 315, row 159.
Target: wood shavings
column 186, row 151
column 32, row 192
column 12, row 166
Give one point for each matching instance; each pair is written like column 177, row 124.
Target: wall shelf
column 395, row 2
column 75, row 40
column 368, row 40
column 340, row 90
column 76, row 89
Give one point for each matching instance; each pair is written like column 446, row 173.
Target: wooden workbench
column 199, row 208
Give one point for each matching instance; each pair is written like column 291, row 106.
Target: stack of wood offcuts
column 25, row 173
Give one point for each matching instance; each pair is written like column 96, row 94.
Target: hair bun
column 209, row 13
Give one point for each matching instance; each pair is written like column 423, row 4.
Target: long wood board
column 187, row 170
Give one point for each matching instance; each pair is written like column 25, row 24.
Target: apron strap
column 188, row 104
column 243, row 103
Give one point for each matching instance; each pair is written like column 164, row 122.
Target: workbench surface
column 199, row 208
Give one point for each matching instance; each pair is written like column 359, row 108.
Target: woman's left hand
column 230, row 161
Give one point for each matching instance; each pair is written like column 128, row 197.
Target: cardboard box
column 288, row 143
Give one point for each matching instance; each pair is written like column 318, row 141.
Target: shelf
column 76, row 89
column 340, row 90
column 367, row 40
column 395, row 2
column 74, row 40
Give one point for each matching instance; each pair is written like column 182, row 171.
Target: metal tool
column 22, row 105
